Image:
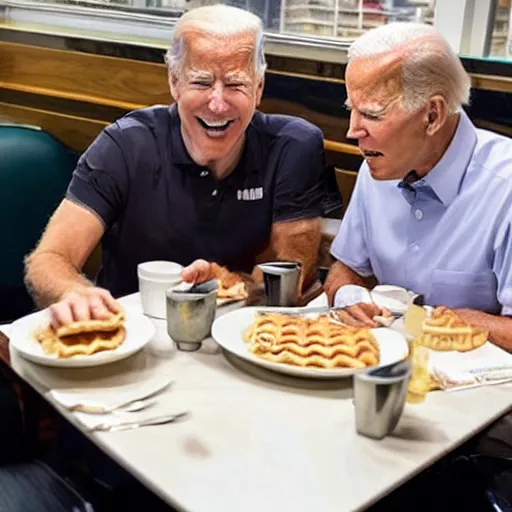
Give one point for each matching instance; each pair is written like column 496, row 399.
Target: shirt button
column 214, row 193
column 415, row 247
column 203, row 174
column 418, row 214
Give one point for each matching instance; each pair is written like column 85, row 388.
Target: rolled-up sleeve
column 299, row 187
column 350, row 245
column 100, row 181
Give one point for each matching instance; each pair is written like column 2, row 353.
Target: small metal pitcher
column 190, row 314
column 379, row 398
column 281, row 279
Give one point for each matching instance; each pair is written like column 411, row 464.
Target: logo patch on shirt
column 250, row 194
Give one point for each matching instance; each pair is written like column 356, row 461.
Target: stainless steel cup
column 379, row 397
column 190, row 314
column 281, row 279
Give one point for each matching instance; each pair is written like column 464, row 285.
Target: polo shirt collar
column 446, row 176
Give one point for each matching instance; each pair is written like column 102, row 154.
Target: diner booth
column 67, row 70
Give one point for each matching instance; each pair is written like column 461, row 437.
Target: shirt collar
column 180, row 156
column 446, row 176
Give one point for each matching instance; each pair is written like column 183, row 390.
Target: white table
column 258, row 441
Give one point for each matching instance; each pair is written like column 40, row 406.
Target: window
column 501, row 40
column 476, row 28
column 330, row 18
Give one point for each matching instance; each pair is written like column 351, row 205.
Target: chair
column 346, row 182
column 35, row 170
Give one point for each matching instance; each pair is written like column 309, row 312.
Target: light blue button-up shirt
column 447, row 236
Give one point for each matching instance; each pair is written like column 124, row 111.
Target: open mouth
column 215, row 126
column 367, row 153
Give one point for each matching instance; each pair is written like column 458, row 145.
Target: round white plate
column 228, row 329
column 139, row 331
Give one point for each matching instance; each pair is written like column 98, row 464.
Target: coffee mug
column 154, row 278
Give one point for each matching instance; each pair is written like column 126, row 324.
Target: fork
column 132, row 405
column 130, row 425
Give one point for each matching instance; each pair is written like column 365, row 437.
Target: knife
column 130, row 425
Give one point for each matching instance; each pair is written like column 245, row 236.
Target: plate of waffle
column 311, row 346
column 231, row 286
column 82, row 343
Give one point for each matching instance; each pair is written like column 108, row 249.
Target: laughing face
column 392, row 140
column 217, row 93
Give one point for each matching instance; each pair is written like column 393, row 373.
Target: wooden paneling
column 73, row 95
column 491, row 83
column 121, row 83
column 76, row 132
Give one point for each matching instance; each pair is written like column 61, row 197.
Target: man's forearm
column 298, row 241
column 338, row 276
column 48, row 276
column 499, row 327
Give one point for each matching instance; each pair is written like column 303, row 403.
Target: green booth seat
column 35, row 170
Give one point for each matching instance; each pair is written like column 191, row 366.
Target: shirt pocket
column 474, row 290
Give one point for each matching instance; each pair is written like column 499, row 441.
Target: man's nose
column 355, row 129
column 218, row 104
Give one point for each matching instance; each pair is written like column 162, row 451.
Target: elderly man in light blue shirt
column 432, row 206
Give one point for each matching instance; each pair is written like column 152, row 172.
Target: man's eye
column 201, row 84
column 234, row 85
column 373, row 117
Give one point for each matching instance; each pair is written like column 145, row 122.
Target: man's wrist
column 75, row 287
column 351, row 294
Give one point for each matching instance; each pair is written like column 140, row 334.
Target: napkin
column 485, row 365
column 394, row 298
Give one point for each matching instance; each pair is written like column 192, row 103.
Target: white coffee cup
column 154, row 278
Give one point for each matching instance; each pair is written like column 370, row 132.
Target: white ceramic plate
column 228, row 329
column 139, row 331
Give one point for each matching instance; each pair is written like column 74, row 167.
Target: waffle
column 110, row 324
column 82, row 337
column 302, row 341
column 444, row 330
column 231, row 285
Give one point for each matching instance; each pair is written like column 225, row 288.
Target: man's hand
column 361, row 315
column 198, row 271
column 83, row 303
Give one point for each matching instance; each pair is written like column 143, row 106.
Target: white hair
column 429, row 65
column 220, row 21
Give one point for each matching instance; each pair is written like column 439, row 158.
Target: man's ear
column 437, row 113
column 259, row 91
column 173, row 86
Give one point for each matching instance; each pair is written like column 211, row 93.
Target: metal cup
column 190, row 314
column 379, row 397
column 281, row 279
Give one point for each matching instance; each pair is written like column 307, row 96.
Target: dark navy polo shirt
column 157, row 204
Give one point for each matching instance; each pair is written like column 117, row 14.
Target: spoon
column 183, row 286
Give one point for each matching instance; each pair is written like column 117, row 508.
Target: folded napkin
column 394, row 298
column 485, row 365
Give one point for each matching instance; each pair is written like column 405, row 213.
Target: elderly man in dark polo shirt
column 208, row 178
